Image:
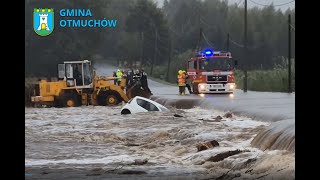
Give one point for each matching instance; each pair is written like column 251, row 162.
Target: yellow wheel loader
column 78, row 85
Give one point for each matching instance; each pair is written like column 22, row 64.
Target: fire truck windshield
column 224, row 64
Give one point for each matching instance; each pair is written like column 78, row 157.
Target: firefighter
column 144, row 81
column 181, row 82
column 188, row 82
column 136, row 77
column 77, row 76
column 124, row 76
column 114, row 75
column 119, row 76
column 129, row 78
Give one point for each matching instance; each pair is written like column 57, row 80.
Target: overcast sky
column 251, row 4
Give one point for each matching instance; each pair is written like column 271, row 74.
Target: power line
column 210, row 43
column 292, row 27
column 215, row 26
column 241, row 45
column 205, row 23
column 150, row 37
column 270, row 4
column 174, row 31
column 207, row 40
column 212, row 26
column 239, row 2
column 233, row 17
column 159, row 46
column 230, row 22
column 235, row 43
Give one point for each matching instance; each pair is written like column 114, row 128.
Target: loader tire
column 70, row 100
column 109, row 98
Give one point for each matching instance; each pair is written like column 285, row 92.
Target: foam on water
column 105, row 160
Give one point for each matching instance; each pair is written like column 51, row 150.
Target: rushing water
column 86, row 138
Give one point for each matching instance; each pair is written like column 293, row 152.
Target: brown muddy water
column 93, row 142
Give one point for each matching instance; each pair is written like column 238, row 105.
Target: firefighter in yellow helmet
column 181, row 82
column 188, row 82
column 119, row 76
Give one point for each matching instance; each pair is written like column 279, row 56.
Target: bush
column 159, row 72
column 275, row 80
column 179, row 62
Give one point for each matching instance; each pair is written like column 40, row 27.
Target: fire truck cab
column 212, row 72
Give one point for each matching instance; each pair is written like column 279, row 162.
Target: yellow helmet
column 180, row 71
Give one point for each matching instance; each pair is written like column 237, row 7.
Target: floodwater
column 93, row 142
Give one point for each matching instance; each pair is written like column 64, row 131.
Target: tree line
column 154, row 35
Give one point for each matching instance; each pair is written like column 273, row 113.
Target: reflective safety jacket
column 119, row 75
column 181, row 80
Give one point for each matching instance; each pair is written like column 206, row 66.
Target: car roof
column 149, row 100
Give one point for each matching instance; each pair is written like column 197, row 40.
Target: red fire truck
column 212, row 72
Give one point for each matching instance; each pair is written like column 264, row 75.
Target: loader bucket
column 137, row 91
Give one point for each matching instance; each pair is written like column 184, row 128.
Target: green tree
column 148, row 20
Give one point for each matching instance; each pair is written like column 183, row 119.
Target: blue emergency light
column 208, row 52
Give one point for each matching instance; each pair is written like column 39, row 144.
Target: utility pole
column 289, row 55
column 155, row 51
column 199, row 24
column 228, row 40
column 200, row 36
column 245, row 81
column 142, row 45
column 169, row 60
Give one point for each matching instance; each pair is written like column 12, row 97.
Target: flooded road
column 94, row 142
column 264, row 106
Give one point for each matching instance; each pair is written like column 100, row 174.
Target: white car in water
column 141, row 104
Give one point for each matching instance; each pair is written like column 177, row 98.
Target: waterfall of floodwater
column 279, row 135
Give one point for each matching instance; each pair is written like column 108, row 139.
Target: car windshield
column 163, row 109
column 147, row 105
column 210, row 64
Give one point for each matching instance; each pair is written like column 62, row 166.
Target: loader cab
column 76, row 73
